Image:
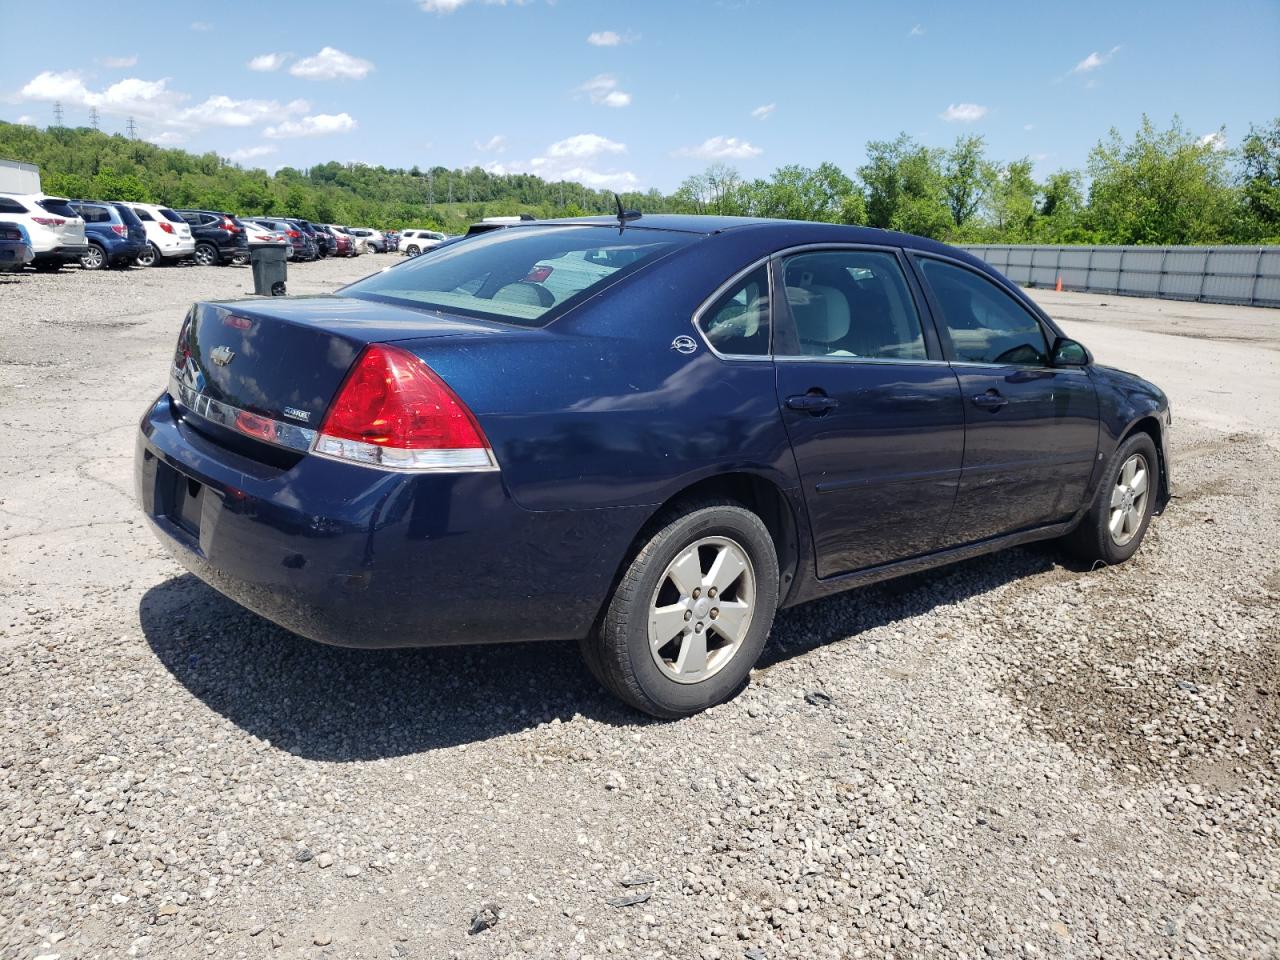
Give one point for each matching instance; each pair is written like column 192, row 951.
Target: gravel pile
column 1006, row 758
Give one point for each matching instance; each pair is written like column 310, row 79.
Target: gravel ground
column 1006, row 758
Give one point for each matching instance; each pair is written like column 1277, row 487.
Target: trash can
column 270, row 269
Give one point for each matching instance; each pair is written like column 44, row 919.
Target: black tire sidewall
column 626, row 639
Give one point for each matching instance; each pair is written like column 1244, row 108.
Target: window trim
column 765, row 261
column 1048, row 329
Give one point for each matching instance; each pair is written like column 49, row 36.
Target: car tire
column 1117, row 520
column 710, row 653
column 411, row 251
column 149, row 257
column 95, row 258
column 206, row 255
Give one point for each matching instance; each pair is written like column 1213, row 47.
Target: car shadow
column 338, row 704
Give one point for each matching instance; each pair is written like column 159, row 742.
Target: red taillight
column 228, row 226
column 6, row 234
column 119, row 229
column 293, row 234
column 49, row 221
column 166, row 227
column 236, row 322
column 393, row 411
column 538, row 274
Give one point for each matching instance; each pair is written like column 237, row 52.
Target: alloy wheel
column 701, row 611
column 148, row 257
column 1129, row 500
column 205, row 256
column 93, row 258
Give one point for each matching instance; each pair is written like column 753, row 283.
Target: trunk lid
column 286, row 359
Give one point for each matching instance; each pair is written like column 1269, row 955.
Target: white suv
column 414, row 242
column 56, row 231
column 168, row 235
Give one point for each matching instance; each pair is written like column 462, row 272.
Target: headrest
column 821, row 313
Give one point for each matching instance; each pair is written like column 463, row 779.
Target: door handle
column 991, row 400
column 815, row 403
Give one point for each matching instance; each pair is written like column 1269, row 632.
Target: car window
column 850, row 303
column 143, row 214
column 10, row 205
column 92, row 214
column 737, row 323
column 983, row 322
column 190, row 217
column 59, row 208
column 525, row 276
column 171, row 215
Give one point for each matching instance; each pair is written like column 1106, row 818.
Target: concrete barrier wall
column 1245, row 275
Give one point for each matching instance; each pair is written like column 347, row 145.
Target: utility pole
column 132, row 129
column 57, row 113
column 93, row 118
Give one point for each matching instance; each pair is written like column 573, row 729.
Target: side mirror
column 1069, row 353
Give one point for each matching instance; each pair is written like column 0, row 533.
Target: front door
column 1031, row 429
column 873, row 412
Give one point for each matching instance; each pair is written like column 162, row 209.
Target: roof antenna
column 624, row 215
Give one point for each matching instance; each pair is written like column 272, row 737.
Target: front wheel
column 1121, row 511
column 412, row 251
column 149, row 257
column 691, row 613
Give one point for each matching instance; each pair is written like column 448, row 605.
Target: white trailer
column 19, row 177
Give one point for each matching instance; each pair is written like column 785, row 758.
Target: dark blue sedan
column 647, row 436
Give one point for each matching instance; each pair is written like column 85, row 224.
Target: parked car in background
column 373, row 240
column 114, row 234
column 323, row 239
column 15, row 246
column 219, row 237
column 310, row 249
column 357, row 244
column 331, row 244
column 261, row 233
column 168, row 235
column 414, row 242
column 392, row 237
column 55, row 230
column 865, row 404
column 292, row 235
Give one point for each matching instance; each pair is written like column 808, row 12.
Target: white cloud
column 495, row 144
column 604, row 38
column 916, row 31
column 201, row 26
column 603, row 90
column 1217, row 140
column 1028, row 126
column 721, row 148
column 619, row 180
column 167, row 139
column 26, row 121
column 153, row 100
column 320, row 125
column 764, row 111
column 1094, row 60
column 584, row 146
column 449, row 6
column 120, row 63
column 251, row 153
column 266, row 62
column 332, row 64
column 963, row 112
column 222, row 111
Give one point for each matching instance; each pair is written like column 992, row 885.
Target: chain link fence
column 1243, row 275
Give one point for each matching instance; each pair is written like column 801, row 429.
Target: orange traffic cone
column 1059, row 286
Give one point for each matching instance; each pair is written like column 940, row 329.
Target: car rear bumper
column 67, row 253
column 177, row 248
column 352, row 556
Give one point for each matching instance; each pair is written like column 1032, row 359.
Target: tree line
column 1156, row 187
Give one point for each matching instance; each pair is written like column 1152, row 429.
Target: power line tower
column 57, row 113
column 132, row 129
column 93, row 118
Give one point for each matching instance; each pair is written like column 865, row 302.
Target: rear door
column 872, row 409
column 1031, row 429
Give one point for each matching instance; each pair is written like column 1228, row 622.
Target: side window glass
column 984, row 323
column 737, row 324
column 851, row 303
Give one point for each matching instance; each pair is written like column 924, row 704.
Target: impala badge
column 684, row 345
column 221, row 355
column 297, row 414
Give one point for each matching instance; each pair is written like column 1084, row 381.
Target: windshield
column 525, row 275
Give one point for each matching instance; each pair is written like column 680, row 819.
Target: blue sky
column 640, row 94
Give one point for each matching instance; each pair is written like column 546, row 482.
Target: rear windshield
column 127, row 215
column 59, row 208
column 170, row 215
column 525, row 275
column 10, row 205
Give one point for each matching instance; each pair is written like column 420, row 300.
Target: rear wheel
column 206, row 255
column 1118, row 518
column 149, row 257
column 691, row 613
column 95, row 258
